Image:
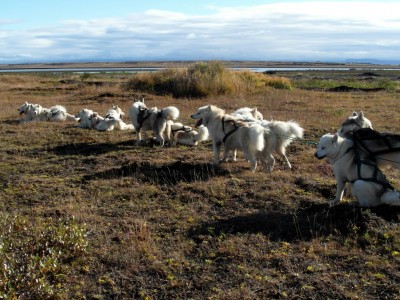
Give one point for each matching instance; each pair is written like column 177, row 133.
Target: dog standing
column 278, row 136
column 233, row 134
column 151, row 119
column 369, row 185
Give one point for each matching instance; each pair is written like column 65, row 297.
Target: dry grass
column 204, row 80
column 162, row 223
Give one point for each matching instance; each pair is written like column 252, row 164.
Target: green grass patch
column 351, row 83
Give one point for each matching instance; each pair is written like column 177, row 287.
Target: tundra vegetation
column 91, row 215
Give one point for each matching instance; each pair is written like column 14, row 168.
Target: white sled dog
column 104, row 124
column 27, row 109
column 232, row 133
column 248, row 114
column 354, row 122
column 112, row 120
column 151, row 119
column 57, row 113
column 185, row 135
column 84, row 117
column 369, row 185
column 278, row 136
column 388, row 157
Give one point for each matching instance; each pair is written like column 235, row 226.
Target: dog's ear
column 335, row 138
column 355, row 114
column 361, row 115
column 209, row 108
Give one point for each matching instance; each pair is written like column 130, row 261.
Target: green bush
column 36, row 256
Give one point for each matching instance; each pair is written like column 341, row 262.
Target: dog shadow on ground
column 310, row 221
column 86, row 149
column 168, row 174
column 11, row 122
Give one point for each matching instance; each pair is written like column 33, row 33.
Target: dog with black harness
column 231, row 133
column 151, row 119
column 350, row 165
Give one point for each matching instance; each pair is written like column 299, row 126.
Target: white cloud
column 280, row 31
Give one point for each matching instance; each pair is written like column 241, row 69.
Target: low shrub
column 36, row 256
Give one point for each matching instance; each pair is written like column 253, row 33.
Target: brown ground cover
column 162, row 223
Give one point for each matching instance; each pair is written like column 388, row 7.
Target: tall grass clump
column 36, row 256
column 203, row 80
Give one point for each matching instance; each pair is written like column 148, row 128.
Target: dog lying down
column 35, row 112
column 185, row 135
column 369, row 186
column 113, row 120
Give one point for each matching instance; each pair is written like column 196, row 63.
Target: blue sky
column 122, row 30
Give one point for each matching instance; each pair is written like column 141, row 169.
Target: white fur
column 85, row 118
column 40, row 113
column 35, row 112
column 58, row 113
column 151, row 119
column 338, row 151
column 187, row 136
column 27, row 109
column 103, row 124
column 278, row 136
column 245, row 137
column 112, row 120
column 248, row 114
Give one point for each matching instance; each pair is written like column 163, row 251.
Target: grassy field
column 91, row 215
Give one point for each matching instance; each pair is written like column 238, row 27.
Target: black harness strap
column 141, row 118
column 230, row 132
column 363, row 135
column 377, row 176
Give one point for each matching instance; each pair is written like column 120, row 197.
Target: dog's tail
column 202, row 134
column 170, row 113
column 286, row 132
column 295, row 130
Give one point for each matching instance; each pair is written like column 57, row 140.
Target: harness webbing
column 230, row 132
column 141, row 119
column 363, row 135
column 377, row 176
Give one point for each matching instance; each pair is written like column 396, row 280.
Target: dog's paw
column 333, row 202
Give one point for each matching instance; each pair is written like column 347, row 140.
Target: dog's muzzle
column 318, row 156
